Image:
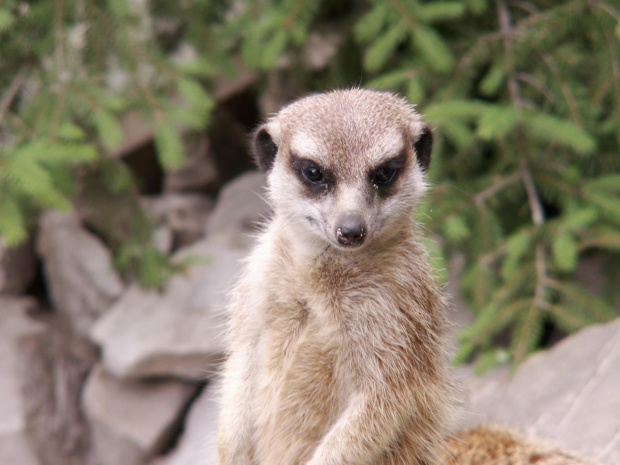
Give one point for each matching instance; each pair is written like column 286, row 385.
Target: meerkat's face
column 345, row 167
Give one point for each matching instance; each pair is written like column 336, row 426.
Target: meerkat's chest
column 302, row 386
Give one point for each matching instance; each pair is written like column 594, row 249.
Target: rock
column 131, row 421
column 198, row 171
column 137, row 131
column 197, row 446
column 183, row 214
column 321, row 48
column 177, row 332
column 240, row 207
column 569, row 394
column 16, row 327
column 78, row 269
column 52, row 369
column 163, row 238
column 17, row 268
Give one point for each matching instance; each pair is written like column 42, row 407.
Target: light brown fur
column 499, row 446
column 336, row 352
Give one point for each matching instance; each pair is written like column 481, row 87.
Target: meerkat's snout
column 351, row 230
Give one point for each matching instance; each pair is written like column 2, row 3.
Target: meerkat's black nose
column 351, row 230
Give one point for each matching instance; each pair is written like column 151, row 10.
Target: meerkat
column 337, row 322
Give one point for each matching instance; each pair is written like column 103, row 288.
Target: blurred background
column 128, row 196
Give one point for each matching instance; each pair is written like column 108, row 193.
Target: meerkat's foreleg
column 235, row 424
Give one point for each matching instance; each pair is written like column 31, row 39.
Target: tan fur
column 336, row 354
column 497, row 446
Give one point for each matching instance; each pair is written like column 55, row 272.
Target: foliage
column 527, row 106
column 69, row 69
column 525, row 98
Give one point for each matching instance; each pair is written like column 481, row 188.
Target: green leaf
column 517, row 245
column 494, row 79
column 440, row 11
column 600, row 195
column 12, row 222
column 494, row 319
column 71, row 154
column 496, row 122
column 579, row 219
column 109, row 129
column 433, row 48
column 578, row 297
column 459, row 134
column 169, row 145
column 200, row 67
column 370, row 25
column 389, row 80
column 605, row 238
column 70, row 132
column 565, row 252
column 455, row 228
column 527, row 333
column 6, row 19
column 382, row 49
column 606, row 183
column 550, row 128
column 567, row 319
column 461, row 109
column 477, row 6
column 195, row 95
column 28, row 177
column 119, row 8
column 415, row 91
column 273, row 49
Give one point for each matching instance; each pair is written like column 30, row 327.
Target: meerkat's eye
column 384, row 175
column 313, row 174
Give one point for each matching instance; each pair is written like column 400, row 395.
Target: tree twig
column 538, row 215
column 496, row 187
column 11, row 92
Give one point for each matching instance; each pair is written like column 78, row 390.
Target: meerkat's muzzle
column 351, row 230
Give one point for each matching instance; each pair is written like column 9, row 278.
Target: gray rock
column 183, row 214
column 569, row 394
column 240, row 206
column 16, row 327
column 131, row 421
column 78, row 269
column 17, row 268
column 199, row 169
column 321, row 48
column 198, row 443
column 177, row 332
column 52, row 367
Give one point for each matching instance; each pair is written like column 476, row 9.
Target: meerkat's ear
column 265, row 149
column 423, row 146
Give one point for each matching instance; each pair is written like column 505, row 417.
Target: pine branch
column 537, row 84
column 496, row 187
column 12, row 91
column 536, row 208
column 568, row 96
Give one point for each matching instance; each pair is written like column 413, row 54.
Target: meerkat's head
column 345, row 167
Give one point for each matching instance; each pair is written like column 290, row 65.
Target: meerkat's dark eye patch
column 385, row 175
column 317, row 179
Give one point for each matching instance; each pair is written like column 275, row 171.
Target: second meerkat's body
column 336, row 329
